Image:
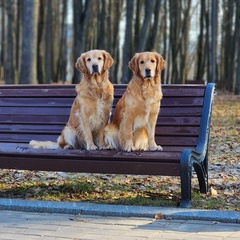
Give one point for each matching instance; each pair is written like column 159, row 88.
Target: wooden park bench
column 41, row 111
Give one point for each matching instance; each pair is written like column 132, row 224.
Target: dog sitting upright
column 91, row 108
column 134, row 120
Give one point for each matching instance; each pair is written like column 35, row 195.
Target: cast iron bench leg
column 186, row 172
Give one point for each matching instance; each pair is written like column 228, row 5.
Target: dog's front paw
column 106, row 147
column 68, row 146
column 129, row 148
column 92, row 147
column 156, row 148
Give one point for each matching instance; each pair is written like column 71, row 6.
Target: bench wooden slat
column 165, row 111
column 48, row 119
column 162, row 140
column 67, row 102
column 30, row 102
column 69, row 90
column 45, row 129
column 29, row 119
column 91, row 166
column 12, row 145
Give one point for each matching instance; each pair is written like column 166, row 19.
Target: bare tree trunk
column 56, row 15
column 29, row 45
column 18, row 47
column 185, row 41
column 165, row 55
column 175, row 21
column 3, row 39
column 137, row 25
column 117, row 9
column 237, row 84
column 201, row 47
column 9, row 64
column 227, row 42
column 40, row 65
column 154, row 34
column 127, row 49
column 63, row 44
column 102, row 25
column 142, row 40
column 81, row 20
column 48, row 43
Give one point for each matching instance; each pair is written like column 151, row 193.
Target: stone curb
column 118, row 210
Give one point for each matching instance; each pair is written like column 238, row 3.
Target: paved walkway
column 48, row 226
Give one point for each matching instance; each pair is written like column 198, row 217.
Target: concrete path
column 15, row 225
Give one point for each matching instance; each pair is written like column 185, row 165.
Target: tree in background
column 237, row 85
column 29, row 43
column 127, row 49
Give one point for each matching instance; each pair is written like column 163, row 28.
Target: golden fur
column 91, row 108
column 134, row 120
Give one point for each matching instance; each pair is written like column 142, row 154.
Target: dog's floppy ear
column 160, row 63
column 108, row 60
column 133, row 64
column 81, row 65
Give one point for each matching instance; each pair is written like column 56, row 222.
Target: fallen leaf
column 213, row 192
column 159, row 216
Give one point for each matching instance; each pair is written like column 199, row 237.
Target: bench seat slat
column 25, row 138
column 107, row 155
column 12, row 145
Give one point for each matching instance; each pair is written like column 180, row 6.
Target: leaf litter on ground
column 224, row 175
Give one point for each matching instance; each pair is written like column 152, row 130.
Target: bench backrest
column 41, row 111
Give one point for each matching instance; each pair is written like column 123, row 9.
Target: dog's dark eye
column 99, row 58
column 89, row 59
column 142, row 62
column 152, row 61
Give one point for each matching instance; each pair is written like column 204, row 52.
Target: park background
column 41, row 39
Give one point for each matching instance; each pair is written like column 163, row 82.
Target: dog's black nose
column 95, row 68
column 148, row 70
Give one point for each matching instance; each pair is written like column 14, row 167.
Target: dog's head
column 147, row 64
column 94, row 62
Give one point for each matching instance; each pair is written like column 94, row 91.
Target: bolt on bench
column 41, row 111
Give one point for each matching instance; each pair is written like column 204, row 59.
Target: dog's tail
column 111, row 136
column 43, row 144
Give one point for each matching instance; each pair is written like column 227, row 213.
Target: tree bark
column 81, row 21
column 40, row 54
column 9, row 64
column 142, row 40
column 29, row 45
column 237, row 83
column 3, row 40
column 127, row 49
column 48, row 43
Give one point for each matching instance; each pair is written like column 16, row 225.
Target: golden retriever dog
column 91, row 108
column 135, row 117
